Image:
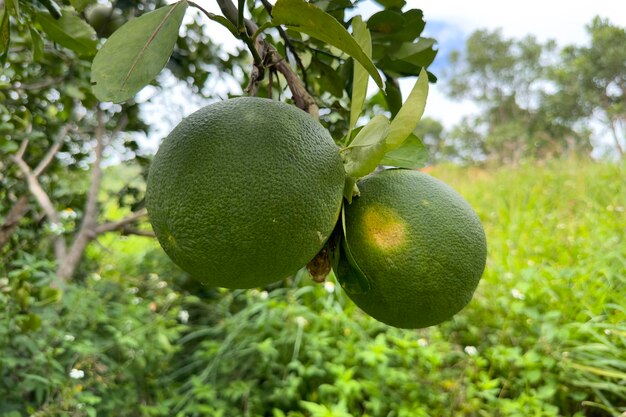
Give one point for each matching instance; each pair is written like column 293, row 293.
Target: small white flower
column 132, row 290
column 161, row 284
column 471, row 350
column 301, row 321
column 619, row 208
column 183, row 316
column 422, row 342
column 69, row 338
column 68, row 214
column 515, row 293
column 329, row 286
column 56, row 228
column 263, row 295
column 136, row 300
column 96, row 277
column 171, row 296
column 76, row 373
column 153, row 277
column 607, row 332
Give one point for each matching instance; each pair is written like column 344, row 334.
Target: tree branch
column 120, row 224
column 49, row 156
column 126, row 231
column 43, row 199
column 301, row 96
column 39, row 85
column 17, row 212
column 85, row 233
column 288, row 44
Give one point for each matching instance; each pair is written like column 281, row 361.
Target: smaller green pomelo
column 245, row 192
column 420, row 245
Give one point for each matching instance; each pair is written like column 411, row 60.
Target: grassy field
column 553, row 299
column 545, row 334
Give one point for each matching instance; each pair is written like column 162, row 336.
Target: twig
column 22, row 149
column 243, row 34
column 43, row 199
column 289, row 45
column 85, row 232
column 49, row 156
column 39, row 85
column 119, row 224
column 137, row 232
column 301, row 96
column 17, row 212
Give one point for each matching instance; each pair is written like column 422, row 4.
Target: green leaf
column 69, row 31
column 330, row 79
column 5, row 33
column 410, row 114
column 386, row 21
column 367, row 149
column 304, row 17
column 226, row 23
column 36, row 44
column 359, row 78
column 412, row 154
column 395, row 26
column 350, row 189
column 13, row 6
column 52, row 8
column 406, row 50
column 393, row 96
column 30, row 322
column 136, row 53
column 81, row 5
column 348, row 273
column 392, row 3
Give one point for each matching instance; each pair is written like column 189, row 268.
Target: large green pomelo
column 245, row 192
column 420, row 245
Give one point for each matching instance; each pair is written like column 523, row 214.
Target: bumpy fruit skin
column 419, row 243
column 245, row 192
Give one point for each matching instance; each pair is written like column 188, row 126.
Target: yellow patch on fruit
column 385, row 228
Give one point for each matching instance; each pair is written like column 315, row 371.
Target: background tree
column 508, row 79
column 591, row 82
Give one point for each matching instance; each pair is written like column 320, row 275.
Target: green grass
column 545, row 334
column 555, row 284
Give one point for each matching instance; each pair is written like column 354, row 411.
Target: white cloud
column 561, row 20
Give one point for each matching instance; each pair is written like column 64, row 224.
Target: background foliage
column 543, row 336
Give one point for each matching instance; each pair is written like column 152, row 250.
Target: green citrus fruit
column 420, row 245
column 245, row 192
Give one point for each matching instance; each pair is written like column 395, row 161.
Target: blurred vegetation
column 535, row 100
column 544, row 335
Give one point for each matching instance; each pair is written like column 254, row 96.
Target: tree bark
column 68, row 264
column 616, row 139
column 301, row 96
column 17, row 212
